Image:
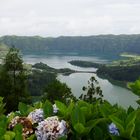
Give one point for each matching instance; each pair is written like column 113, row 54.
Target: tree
column 58, row 91
column 13, row 78
column 94, row 91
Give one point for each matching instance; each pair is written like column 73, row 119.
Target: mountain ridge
column 96, row 43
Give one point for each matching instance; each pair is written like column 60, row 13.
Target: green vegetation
column 125, row 70
column 38, row 80
column 58, row 91
column 13, row 78
column 85, row 64
column 102, row 44
column 79, row 120
column 45, row 67
column 94, row 92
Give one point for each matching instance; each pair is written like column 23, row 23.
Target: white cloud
column 69, row 17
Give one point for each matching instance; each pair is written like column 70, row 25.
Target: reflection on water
column 112, row 93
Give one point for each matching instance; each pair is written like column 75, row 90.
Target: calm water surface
column 112, row 93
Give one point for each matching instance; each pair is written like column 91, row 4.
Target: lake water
column 112, row 93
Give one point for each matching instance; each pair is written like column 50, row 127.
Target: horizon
column 69, row 35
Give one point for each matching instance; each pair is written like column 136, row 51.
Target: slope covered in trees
column 79, row 44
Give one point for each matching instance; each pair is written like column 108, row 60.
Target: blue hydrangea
column 113, row 129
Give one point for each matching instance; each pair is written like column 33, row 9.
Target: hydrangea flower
column 113, row 129
column 25, row 122
column 51, row 129
column 36, row 116
column 55, row 109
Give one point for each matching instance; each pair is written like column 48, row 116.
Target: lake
column 112, row 93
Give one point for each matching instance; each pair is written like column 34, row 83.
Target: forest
column 88, row 45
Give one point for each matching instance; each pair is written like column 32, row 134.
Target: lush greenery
column 122, row 70
column 103, row 44
column 58, row 91
column 86, row 64
column 83, row 121
column 13, row 78
column 94, row 92
column 38, row 80
column 41, row 76
column 45, row 67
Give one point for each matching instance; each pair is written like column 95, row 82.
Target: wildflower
column 25, row 122
column 113, row 129
column 36, row 116
column 55, row 109
column 51, row 129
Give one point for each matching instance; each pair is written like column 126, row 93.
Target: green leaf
column 93, row 123
column 82, row 103
column 69, row 109
column 118, row 123
column 131, row 118
column 10, row 134
column 77, row 116
column 106, row 109
column 98, row 133
column 18, row 132
column 3, row 125
column 7, row 137
column 130, row 125
column 79, row 128
column 48, row 109
column 86, row 112
column 129, row 130
column 62, row 107
column 23, row 108
column 38, row 105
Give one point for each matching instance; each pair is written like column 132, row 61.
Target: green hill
column 103, row 44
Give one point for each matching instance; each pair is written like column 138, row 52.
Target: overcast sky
column 69, row 17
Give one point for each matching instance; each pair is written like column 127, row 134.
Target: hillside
column 79, row 44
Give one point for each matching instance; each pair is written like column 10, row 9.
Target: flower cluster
column 25, row 122
column 36, row 116
column 51, row 129
column 113, row 129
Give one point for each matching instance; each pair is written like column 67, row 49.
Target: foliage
column 2, row 105
column 58, row 91
column 13, row 77
column 76, row 120
column 120, row 73
column 94, row 91
column 135, row 87
column 37, row 81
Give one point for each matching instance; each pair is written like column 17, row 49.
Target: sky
column 69, row 17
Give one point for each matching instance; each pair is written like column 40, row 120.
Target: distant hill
column 80, row 44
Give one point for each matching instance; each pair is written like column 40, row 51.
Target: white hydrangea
column 36, row 116
column 51, row 129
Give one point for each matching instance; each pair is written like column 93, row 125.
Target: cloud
column 69, row 17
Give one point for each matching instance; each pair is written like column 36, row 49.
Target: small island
column 85, row 64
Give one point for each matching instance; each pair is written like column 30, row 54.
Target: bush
column 77, row 120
